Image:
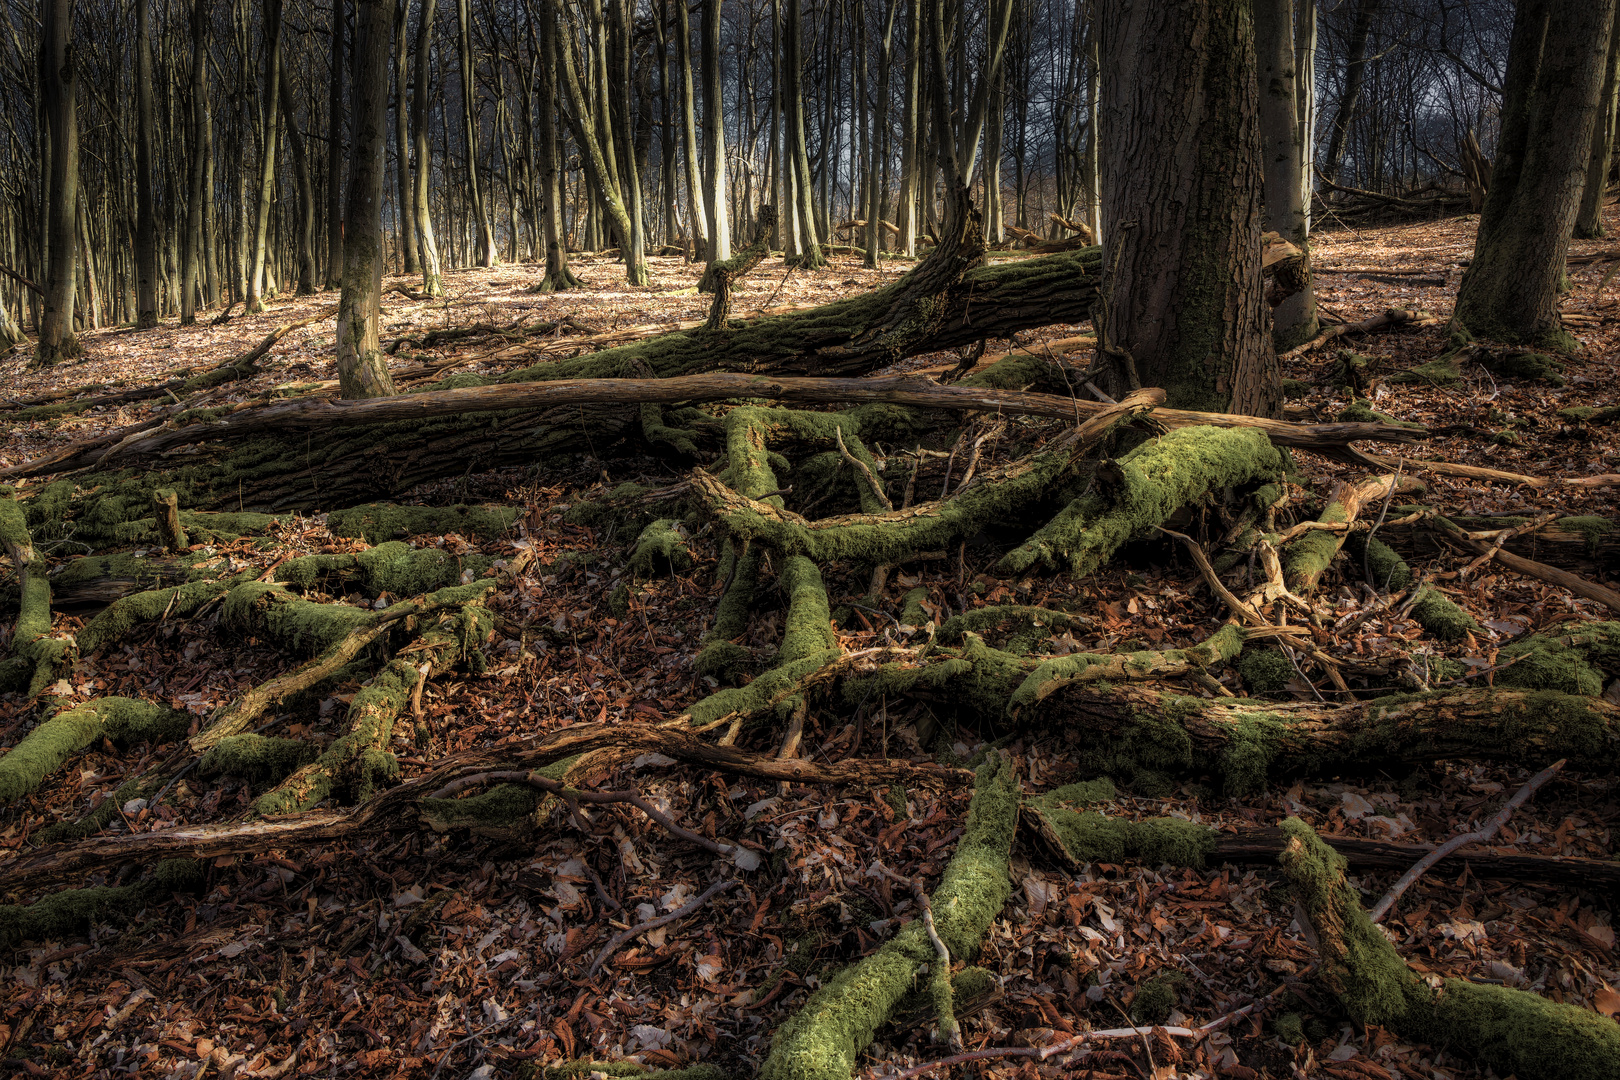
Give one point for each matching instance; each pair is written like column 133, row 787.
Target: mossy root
column 1512, row 1031
column 71, row 910
column 44, row 749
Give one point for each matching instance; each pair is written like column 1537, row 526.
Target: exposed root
column 1513, row 1031
column 70, row 911
column 43, row 750
column 823, row 1039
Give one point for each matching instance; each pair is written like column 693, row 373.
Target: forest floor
column 427, row 955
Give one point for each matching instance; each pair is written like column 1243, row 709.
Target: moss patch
column 377, row 522
column 71, row 910
column 48, row 746
column 257, row 757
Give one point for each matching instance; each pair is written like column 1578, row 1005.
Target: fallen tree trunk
column 1584, row 545
column 314, row 414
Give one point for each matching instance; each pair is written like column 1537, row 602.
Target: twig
column 681, row 912
column 1239, row 608
column 861, row 470
column 948, row 1027
column 1411, row 877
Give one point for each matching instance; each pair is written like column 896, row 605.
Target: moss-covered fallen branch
column 37, row 656
column 1513, row 1031
column 823, row 1039
column 70, row 911
column 392, row 567
column 43, row 750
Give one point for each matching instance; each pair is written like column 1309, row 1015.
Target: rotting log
column 314, row 414
column 1307, row 558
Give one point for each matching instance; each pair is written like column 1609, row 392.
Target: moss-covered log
column 1307, row 559
column 70, row 911
column 1513, row 1031
column 36, row 655
column 1584, row 544
column 1146, row 486
column 44, row 750
column 823, row 1039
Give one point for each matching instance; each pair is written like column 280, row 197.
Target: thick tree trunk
column 469, row 137
column 1286, row 193
column 60, row 79
column 428, row 248
column 335, row 155
column 267, row 159
column 1589, row 222
column 146, row 240
column 1181, row 180
column 1550, row 104
column 362, row 367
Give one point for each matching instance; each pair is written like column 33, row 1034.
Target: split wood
column 1491, row 828
column 618, row 941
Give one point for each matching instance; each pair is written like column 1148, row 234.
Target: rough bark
column 558, row 276
column 362, row 366
column 1287, row 191
column 146, row 242
column 267, row 156
column 1550, row 103
column 1185, row 309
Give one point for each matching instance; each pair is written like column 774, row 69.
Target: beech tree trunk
column 1287, row 211
column 334, row 153
column 267, row 159
column 305, row 243
column 714, row 137
column 469, row 132
column 1549, row 106
column 1181, row 180
column 146, row 241
column 191, row 271
column 694, row 185
column 427, row 246
column 59, row 82
column 558, row 276
column 1589, row 221
column 362, row 366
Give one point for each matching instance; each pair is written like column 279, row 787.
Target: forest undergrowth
column 481, row 936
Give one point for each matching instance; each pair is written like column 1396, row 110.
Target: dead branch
column 618, row 940
column 1392, row 317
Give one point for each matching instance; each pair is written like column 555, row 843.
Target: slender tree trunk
column 402, row 142
column 267, row 162
column 59, row 79
column 146, row 229
column 909, row 120
column 558, row 275
column 362, row 366
column 428, row 248
column 306, row 193
column 469, row 128
column 714, row 137
column 635, row 242
column 1549, row 107
column 1092, row 165
column 1305, row 109
column 335, row 155
column 793, row 100
column 1286, row 213
column 874, row 191
column 1589, row 222
column 191, row 257
column 1355, row 73
column 694, row 186
column 1181, row 175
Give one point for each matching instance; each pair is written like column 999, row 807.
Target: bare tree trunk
column 428, row 248
column 906, row 212
column 793, row 101
column 335, row 155
column 1589, row 222
column 469, row 129
column 191, row 256
column 1286, row 212
column 694, row 186
column 1181, row 175
column 267, row 162
column 306, row 193
column 1549, row 106
column 1355, row 73
column 362, row 365
column 59, row 79
column 146, row 240
column 714, row 138
column 402, row 142
column 558, row 275
column 879, row 149
column 619, row 36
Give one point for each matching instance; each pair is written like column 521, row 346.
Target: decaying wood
column 324, row 414
column 1499, row 476
column 1391, row 317
column 1576, row 584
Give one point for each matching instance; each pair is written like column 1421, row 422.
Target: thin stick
column 1411, row 877
column 862, row 471
column 681, row 912
column 947, row 1023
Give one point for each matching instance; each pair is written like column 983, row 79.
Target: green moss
column 809, row 623
column 911, row 609
column 1512, row 1031
column 257, row 757
column 1152, row 482
column 1370, row 555
column 1360, row 411
column 44, row 750
column 70, row 911
column 1024, row 626
column 1592, row 528
column 1437, row 614
column 823, row 1039
column 1443, row 371
column 1525, row 365
column 268, row 609
column 1092, row 837
column 661, row 546
column 126, row 613
column 1588, row 414
column 1156, row 997
column 140, row 787
column 1290, row 1028
column 377, row 522
column 1082, row 794
column 1266, row 671
column 1294, row 389
column 1575, row 659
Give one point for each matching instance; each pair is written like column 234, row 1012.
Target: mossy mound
column 377, row 522
column 71, row 910
column 1265, row 671
column 257, row 757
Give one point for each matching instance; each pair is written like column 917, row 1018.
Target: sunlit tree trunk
column 1286, row 212
column 714, row 137
column 558, row 275
column 1589, row 221
column 694, row 186
column 362, row 365
column 469, row 130
column 334, row 149
column 59, row 88
column 427, row 247
column 267, row 161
